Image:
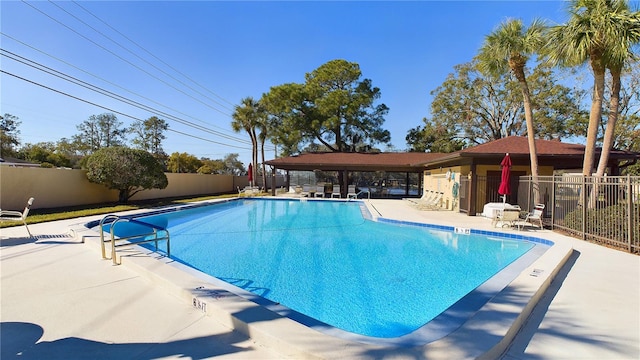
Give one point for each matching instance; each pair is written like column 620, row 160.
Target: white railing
column 157, row 234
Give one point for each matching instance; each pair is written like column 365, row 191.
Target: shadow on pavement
column 20, row 340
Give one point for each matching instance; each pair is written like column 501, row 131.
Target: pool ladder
column 356, row 196
column 159, row 234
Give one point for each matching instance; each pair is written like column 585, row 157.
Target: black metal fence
column 605, row 210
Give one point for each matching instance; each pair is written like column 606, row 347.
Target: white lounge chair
column 9, row 215
column 336, row 192
column 248, row 191
column 428, row 196
column 424, row 199
column 306, row 190
column 434, row 199
column 432, row 203
column 351, row 192
column 536, row 215
column 319, row 191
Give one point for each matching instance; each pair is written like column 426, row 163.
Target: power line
column 136, row 55
column 123, row 59
column 119, row 97
column 110, row 94
column 105, row 80
column 154, row 56
column 112, row 110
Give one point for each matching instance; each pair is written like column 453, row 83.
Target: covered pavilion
column 470, row 171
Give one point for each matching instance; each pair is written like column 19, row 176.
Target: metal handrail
column 361, row 191
column 156, row 229
column 104, row 219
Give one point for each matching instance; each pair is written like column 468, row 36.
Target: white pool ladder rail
column 159, row 234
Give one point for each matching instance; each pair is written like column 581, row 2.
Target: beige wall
column 60, row 187
column 50, row 188
column 190, row 184
column 542, row 170
column 437, row 180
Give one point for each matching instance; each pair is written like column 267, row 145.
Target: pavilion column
column 406, row 185
column 343, row 179
column 473, row 192
column 273, row 181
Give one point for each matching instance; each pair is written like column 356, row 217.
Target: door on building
column 493, row 183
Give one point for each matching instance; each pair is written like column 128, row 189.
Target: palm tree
column 590, row 34
column 509, row 48
column 262, row 123
column 245, row 117
column 619, row 53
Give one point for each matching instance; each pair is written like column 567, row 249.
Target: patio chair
column 536, row 215
column 336, row 192
column 319, row 191
column 351, row 192
column 428, row 195
column 432, row 203
column 306, row 190
column 436, row 199
column 509, row 217
column 9, row 215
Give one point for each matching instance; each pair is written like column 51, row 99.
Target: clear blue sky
column 232, row 50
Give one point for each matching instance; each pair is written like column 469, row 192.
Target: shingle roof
column 517, row 146
column 520, row 145
column 408, row 161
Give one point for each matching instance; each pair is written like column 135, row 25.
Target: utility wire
column 126, row 61
column 139, row 57
column 154, row 56
column 110, row 94
column 112, row 110
column 105, row 80
column 123, row 59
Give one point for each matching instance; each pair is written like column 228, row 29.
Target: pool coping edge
column 292, row 339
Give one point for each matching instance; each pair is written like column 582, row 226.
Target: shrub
column 610, row 222
column 127, row 170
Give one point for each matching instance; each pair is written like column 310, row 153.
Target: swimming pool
column 332, row 265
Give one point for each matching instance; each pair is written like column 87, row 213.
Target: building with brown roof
column 478, row 166
column 378, row 174
column 552, row 155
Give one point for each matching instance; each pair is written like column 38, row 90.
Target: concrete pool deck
column 60, row 300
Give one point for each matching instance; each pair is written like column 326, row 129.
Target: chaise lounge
column 351, row 192
column 9, row 215
column 336, row 192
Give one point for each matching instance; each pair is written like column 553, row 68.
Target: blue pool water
column 324, row 259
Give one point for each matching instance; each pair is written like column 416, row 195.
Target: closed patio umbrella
column 250, row 175
column 505, row 180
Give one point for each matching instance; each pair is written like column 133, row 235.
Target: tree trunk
column 594, row 122
column 254, row 155
column 528, row 115
column 609, row 133
column 264, row 168
column 123, row 196
column 594, row 116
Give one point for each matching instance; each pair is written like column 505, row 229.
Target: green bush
column 126, row 170
column 610, row 222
